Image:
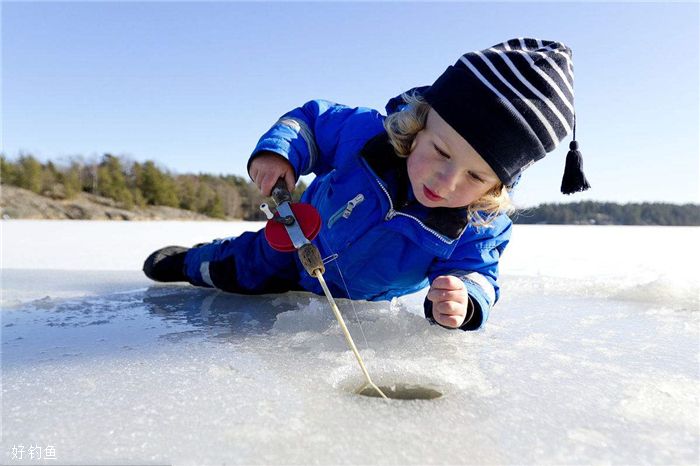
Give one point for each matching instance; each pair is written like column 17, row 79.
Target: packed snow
column 591, row 356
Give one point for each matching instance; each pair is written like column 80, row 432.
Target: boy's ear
column 414, row 143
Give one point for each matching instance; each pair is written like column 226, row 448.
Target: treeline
column 133, row 184
column 609, row 213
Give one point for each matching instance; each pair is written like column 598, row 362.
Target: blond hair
column 402, row 128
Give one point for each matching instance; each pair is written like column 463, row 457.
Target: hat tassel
column 574, row 180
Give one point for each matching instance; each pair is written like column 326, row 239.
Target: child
column 415, row 198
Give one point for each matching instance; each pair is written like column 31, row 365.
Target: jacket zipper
column 346, row 210
column 393, row 213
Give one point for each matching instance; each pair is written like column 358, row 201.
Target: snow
column 591, row 356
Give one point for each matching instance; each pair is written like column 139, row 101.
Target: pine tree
column 29, row 174
column 8, row 171
column 155, row 187
column 187, row 192
column 70, row 179
column 113, row 181
column 214, row 207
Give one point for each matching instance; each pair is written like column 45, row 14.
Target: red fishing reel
column 305, row 215
column 293, row 224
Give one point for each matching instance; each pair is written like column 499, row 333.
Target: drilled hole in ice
column 402, row 391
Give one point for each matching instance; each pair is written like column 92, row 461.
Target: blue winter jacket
column 384, row 241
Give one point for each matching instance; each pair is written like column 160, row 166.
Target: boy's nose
column 448, row 181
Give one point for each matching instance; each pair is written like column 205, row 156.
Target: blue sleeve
column 315, row 136
column 475, row 262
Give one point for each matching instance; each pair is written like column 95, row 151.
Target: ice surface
column 591, row 356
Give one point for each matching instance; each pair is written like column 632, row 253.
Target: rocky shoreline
column 18, row 203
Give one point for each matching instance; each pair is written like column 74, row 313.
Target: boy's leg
column 244, row 264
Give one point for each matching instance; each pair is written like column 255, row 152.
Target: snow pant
column 245, row 264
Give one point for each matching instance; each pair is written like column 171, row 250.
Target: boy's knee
column 223, row 275
column 197, row 263
column 262, row 270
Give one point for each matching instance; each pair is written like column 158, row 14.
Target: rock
column 18, row 203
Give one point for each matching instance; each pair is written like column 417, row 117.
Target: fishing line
column 352, row 304
column 334, row 258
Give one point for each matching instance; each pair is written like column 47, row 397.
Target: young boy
column 415, row 198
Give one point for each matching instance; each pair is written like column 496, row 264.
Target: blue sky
column 193, row 85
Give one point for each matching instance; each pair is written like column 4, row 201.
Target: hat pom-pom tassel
column 574, row 180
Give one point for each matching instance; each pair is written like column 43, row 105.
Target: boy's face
column 444, row 169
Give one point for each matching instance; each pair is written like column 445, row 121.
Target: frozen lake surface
column 591, row 356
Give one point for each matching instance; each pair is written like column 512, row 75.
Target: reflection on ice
column 216, row 310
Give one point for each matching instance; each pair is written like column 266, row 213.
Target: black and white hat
column 514, row 103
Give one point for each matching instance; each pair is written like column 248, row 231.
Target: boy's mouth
column 431, row 195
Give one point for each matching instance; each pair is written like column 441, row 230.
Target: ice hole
column 402, row 391
column 396, row 380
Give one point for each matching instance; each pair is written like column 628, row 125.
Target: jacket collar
column 383, row 160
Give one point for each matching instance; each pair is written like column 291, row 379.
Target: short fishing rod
column 291, row 228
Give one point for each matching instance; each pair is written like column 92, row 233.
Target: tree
column 70, row 179
column 155, row 186
column 113, row 182
column 187, row 192
column 8, row 171
column 29, row 174
column 214, row 207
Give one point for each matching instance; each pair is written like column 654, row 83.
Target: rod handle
column 310, row 258
column 280, row 193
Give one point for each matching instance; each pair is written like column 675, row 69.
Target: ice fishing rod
column 292, row 228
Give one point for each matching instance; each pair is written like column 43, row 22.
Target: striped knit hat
column 513, row 102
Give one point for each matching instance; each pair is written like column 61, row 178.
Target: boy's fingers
column 450, row 308
column 263, row 185
column 254, row 175
column 268, row 183
column 447, row 282
column 449, row 321
column 437, row 295
column 266, row 169
column 289, row 179
column 449, row 314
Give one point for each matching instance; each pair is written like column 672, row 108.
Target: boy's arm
column 310, row 136
column 475, row 264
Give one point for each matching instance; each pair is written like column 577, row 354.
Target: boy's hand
column 450, row 301
column 268, row 167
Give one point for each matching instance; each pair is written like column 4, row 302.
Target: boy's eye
column 476, row 177
column 440, row 152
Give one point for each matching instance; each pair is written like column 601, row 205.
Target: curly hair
column 402, row 128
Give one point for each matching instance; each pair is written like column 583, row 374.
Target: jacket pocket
column 345, row 211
